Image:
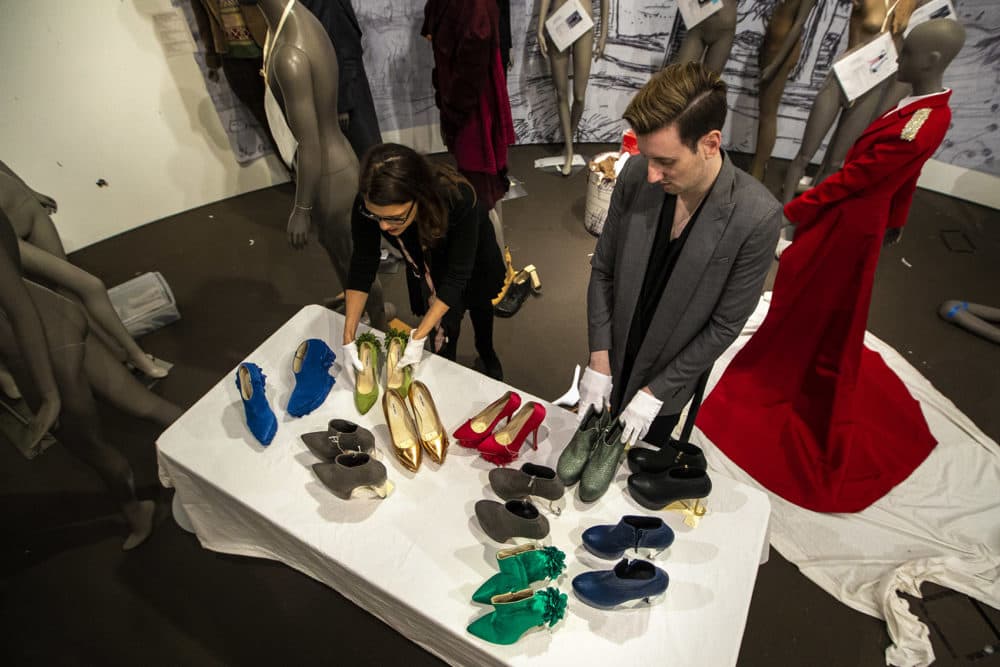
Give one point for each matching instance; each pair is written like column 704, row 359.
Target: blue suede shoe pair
column 313, row 382
column 636, row 581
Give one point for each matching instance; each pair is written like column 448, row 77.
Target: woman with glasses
column 430, row 212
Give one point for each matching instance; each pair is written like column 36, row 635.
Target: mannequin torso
column 711, row 40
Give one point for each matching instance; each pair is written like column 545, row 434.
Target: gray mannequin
column 44, row 258
column 582, row 50
column 300, row 69
column 869, row 18
column 984, row 321
column 59, row 365
column 778, row 55
column 711, row 41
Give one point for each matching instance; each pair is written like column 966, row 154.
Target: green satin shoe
column 366, row 380
column 397, row 379
column 574, row 457
column 516, row 613
column 519, row 568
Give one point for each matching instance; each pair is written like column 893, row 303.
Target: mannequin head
column 400, row 187
column 927, row 51
column 678, row 118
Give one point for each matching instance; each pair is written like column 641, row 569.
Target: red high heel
column 503, row 446
column 474, row 431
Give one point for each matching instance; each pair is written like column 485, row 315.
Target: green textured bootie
column 574, row 457
column 603, row 463
column 519, row 568
column 515, row 613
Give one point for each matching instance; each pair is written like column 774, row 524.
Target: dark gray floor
column 70, row 596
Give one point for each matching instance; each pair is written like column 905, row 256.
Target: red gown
column 805, row 408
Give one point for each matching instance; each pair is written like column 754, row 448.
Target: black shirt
column 465, row 265
column 663, row 256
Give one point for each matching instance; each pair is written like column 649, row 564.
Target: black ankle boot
column 492, row 368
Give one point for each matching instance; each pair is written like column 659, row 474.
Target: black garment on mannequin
column 506, row 43
column 354, row 95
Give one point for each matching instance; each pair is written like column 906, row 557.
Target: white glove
column 413, row 352
column 638, row 416
column 351, row 360
column 595, row 390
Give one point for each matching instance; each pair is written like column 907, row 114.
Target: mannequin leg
column 559, row 65
column 583, row 54
column 692, row 48
column 94, row 296
column 769, row 101
column 718, row 52
column 853, row 121
column 333, row 221
column 976, row 318
column 821, row 118
column 496, row 217
column 79, row 427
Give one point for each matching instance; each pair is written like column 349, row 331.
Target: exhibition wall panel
column 91, row 92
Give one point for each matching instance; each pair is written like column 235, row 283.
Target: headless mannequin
column 711, row 40
column 43, row 257
column 45, row 341
column 301, row 70
column 778, row 55
column 981, row 320
column 869, row 18
column 582, row 50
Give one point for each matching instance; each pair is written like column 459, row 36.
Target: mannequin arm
column 543, row 13
column 29, row 336
column 602, row 36
column 45, row 200
column 794, row 33
column 292, row 72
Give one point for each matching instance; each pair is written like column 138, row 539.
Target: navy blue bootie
column 642, row 533
column 250, row 381
column 637, row 582
column 313, row 381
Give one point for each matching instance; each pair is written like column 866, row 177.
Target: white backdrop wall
column 89, row 93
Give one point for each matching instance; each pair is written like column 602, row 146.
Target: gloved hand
column 595, row 390
column 413, row 351
column 638, row 416
column 351, row 360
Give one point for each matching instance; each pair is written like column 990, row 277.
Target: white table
column 415, row 558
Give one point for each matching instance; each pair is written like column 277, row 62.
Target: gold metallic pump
column 402, row 431
column 433, row 437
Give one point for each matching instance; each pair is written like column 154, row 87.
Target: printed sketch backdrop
column 641, row 34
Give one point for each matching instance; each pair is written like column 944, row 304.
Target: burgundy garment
column 471, row 90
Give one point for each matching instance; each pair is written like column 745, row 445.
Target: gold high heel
column 536, row 282
column 402, row 431
column 509, row 275
column 433, row 437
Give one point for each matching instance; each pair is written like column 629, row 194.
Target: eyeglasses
column 395, row 220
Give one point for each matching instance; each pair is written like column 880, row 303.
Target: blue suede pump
column 260, row 418
column 312, row 376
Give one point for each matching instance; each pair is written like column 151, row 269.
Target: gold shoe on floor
column 402, row 431
column 509, row 275
column 433, row 437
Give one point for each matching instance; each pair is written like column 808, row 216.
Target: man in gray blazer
column 682, row 259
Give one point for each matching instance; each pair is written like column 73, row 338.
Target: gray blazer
column 713, row 289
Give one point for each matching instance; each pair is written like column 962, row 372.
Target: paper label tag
column 568, row 24
column 866, row 67
column 935, row 9
column 695, row 11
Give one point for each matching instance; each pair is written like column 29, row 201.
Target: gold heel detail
column 693, row 510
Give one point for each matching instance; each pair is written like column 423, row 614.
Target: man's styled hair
column 686, row 94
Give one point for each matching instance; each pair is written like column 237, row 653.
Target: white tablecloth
column 415, row 558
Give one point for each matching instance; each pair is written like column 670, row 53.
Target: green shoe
column 397, row 379
column 515, row 613
column 574, row 458
column 603, row 463
column 519, row 568
column 366, row 380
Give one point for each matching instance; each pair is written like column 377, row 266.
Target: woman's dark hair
column 396, row 174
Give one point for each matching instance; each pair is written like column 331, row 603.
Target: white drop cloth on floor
column 941, row 525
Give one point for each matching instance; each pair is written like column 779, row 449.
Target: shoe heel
column 536, row 282
column 534, row 443
column 645, row 553
column 654, row 599
column 558, row 505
